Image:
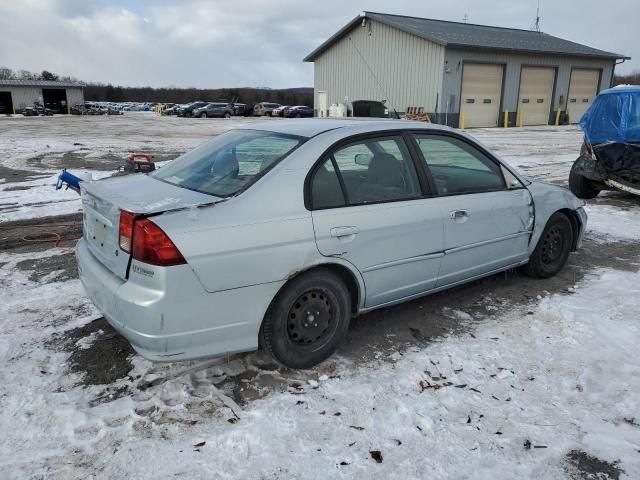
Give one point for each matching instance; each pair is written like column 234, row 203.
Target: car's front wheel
column 581, row 186
column 227, row 115
column 308, row 319
column 552, row 250
column 203, row 115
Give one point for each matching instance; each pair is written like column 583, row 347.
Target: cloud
column 220, row 43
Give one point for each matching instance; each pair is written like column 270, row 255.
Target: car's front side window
column 457, row 167
column 372, row 170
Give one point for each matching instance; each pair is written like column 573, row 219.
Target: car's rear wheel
column 227, row 115
column 203, row 115
column 308, row 319
column 552, row 250
column 581, row 186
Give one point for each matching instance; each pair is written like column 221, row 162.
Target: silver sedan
column 279, row 233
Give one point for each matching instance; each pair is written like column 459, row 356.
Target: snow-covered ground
column 517, row 394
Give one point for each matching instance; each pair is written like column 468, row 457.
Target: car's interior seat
column 385, row 180
column 226, row 165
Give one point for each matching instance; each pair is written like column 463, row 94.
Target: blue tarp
column 614, row 117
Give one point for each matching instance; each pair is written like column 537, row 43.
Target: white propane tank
column 341, row 110
column 333, row 110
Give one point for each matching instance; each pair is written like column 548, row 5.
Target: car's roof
column 621, row 89
column 309, row 127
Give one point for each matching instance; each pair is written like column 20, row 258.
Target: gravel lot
column 77, row 402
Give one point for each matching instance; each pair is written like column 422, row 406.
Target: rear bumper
column 171, row 317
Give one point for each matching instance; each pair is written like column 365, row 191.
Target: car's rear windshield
column 228, row 163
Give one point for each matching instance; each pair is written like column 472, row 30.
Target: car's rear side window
column 226, row 164
column 370, row 170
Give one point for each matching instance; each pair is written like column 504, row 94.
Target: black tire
column 308, row 319
column 580, row 186
column 267, row 114
column 298, row 115
column 553, row 248
column 227, row 115
column 203, row 115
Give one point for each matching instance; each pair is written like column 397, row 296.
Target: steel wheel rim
column 552, row 246
column 311, row 318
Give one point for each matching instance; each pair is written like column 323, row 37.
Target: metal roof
column 39, row 83
column 470, row 35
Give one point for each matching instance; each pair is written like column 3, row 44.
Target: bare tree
column 6, row 73
column 45, row 75
column 632, row 78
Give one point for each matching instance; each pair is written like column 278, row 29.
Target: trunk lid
column 103, row 200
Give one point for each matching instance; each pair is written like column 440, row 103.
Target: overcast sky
column 233, row 43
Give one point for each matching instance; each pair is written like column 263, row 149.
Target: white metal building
column 489, row 74
column 15, row 95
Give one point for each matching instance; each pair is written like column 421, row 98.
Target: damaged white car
column 278, row 233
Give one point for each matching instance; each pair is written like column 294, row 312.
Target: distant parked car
column 214, row 109
column 298, row 111
column 247, row 110
column 610, row 154
column 264, row 109
column 37, row 110
column 187, row 110
column 292, row 238
column 238, row 108
column 172, row 110
column 79, row 109
column 279, row 111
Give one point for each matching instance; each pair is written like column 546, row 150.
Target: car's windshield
column 224, row 165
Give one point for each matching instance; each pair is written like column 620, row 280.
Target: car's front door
column 487, row 218
column 368, row 208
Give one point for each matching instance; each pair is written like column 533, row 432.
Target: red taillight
column 126, row 230
column 151, row 245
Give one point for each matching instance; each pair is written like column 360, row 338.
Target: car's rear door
column 487, row 218
column 368, row 208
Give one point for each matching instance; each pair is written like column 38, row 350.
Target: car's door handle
column 343, row 231
column 459, row 215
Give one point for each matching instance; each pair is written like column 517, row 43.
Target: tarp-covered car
column 610, row 155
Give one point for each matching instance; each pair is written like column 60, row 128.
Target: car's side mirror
column 363, row 159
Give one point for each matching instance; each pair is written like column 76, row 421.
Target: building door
column 322, row 104
column 6, row 103
column 481, row 94
column 583, row 88
column 55, row 99
column 536, row 92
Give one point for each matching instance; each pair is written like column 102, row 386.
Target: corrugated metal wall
column 74, row 96
column 23, row 96
column 26, row 96
column 407, row 70
column 455, row 58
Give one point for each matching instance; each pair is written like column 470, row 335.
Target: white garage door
column 582, row 90
column 481, row 91
column 536, row 91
